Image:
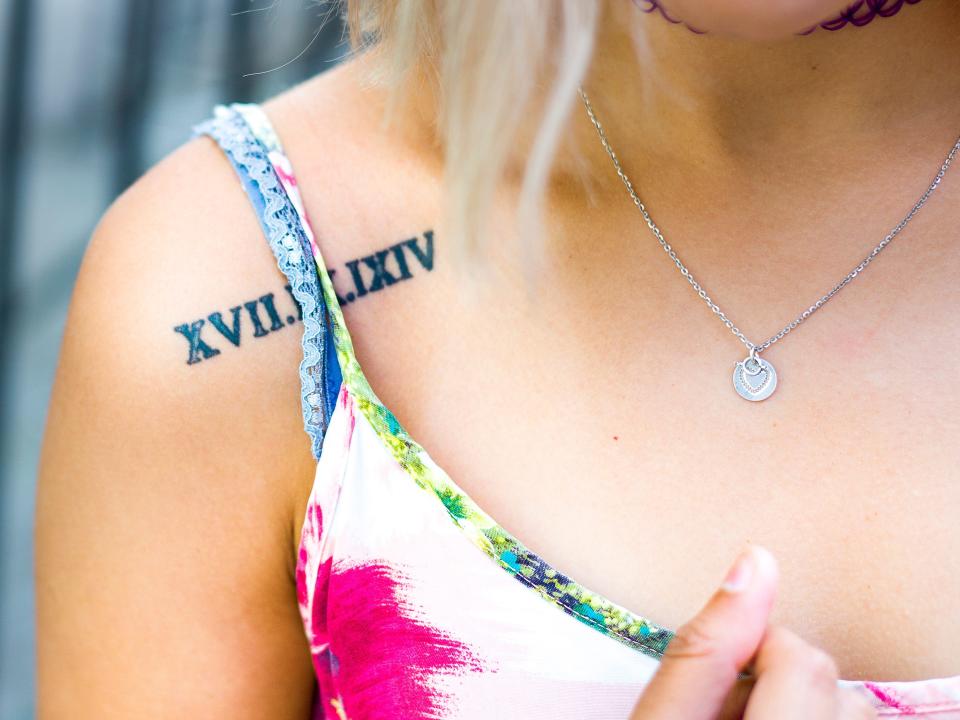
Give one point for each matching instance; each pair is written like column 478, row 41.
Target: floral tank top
column 415, row 602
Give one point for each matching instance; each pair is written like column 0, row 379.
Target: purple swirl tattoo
column 856, row 14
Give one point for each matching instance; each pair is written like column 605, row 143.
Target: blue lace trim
column 320, row 375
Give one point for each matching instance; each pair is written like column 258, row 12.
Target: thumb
column 702, row 662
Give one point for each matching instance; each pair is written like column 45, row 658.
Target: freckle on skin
column 616, row 437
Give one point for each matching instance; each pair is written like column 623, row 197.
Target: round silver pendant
column 754, row 379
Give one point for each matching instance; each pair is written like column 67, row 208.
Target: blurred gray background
column 91, row 94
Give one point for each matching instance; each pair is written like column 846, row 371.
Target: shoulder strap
column 245, row 135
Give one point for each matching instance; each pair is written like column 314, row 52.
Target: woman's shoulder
column 182, row 324
column 180, row 303
column 180, row 267
column 178, row 284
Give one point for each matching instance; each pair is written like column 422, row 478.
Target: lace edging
column 291, row 249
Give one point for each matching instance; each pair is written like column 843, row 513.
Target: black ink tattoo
column 425, row 256
column 369, row 274
column 199, row 349
column 357, row 281
column 197, row 346
column 386, row 267
column 258, row 329
column 232, row 334
column 275, row 322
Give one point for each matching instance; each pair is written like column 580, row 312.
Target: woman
column 593, row 465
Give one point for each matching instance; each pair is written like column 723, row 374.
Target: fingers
column 796, row 681
column 854, row 706
column 736, row 700
column 703, row 660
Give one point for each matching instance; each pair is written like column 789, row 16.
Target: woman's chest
column 412, row 593
column 632, row 465
column 593, row 415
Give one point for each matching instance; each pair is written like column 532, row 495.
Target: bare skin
column 172, row 495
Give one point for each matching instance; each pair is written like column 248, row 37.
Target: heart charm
column 754, row 379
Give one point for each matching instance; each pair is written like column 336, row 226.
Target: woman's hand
column 791, row 680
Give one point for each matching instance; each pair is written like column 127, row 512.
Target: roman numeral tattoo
column 387, row 267
column 369, row 274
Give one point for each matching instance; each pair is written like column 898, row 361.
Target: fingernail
column 740, row 573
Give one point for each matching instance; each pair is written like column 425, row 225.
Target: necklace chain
column 757, row 349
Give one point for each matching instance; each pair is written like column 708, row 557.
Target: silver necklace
column 754, row 378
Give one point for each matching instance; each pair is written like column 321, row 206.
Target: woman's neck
column 708, row 101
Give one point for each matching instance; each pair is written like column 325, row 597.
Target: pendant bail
column 751, row 364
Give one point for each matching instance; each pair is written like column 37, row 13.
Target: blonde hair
column 492, row 62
